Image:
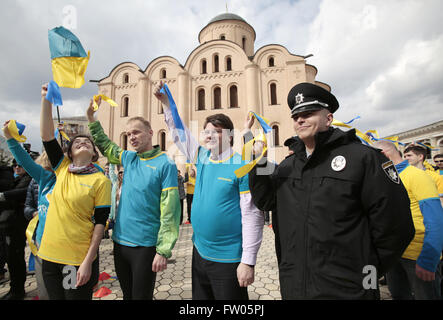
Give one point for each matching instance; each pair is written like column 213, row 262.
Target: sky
column 381, row 58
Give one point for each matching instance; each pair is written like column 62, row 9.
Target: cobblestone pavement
column 175, row 282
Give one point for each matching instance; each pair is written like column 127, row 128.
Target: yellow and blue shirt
column 69, row 225
column 427, row 214
column 216, row 212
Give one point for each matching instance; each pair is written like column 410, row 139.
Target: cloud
column 382, row 61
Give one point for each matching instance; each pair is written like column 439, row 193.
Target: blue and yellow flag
column 69, row 59
column 175, row 116
column 16, row 130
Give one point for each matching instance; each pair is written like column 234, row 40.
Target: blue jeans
column 404, row 284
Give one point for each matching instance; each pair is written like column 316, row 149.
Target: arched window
column 203, row 66
column 273, row 93
column 163, row 74
column 201, row 99
column 271, row 62
column 222, row 37
column 217, row 98
column 243, row 43
column 126, row 78
column 162, row 140
column 233, row 97
column 276, row 135
column 216, row 69
column 124, row 141
column 125, row 107
column 228, row 64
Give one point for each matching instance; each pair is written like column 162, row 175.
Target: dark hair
column 221, row 120
column 94, row 158
column 440, row 155
column 416, row 150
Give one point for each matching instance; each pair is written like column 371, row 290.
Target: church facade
column 224, row 74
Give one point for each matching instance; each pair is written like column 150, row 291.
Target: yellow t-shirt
column 190, row 185
column 419, row 187
column 438, row 179
column 69, row 226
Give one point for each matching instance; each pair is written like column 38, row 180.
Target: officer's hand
column 424, row 274
column 245, row 275
column 159, row 263
column 249, row 121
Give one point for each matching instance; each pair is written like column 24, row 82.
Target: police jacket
column 338, row 211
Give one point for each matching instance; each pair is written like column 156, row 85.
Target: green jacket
column 169, row 199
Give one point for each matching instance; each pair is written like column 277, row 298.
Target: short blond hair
column 142, row 120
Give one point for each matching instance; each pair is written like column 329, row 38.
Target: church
column 224, row 74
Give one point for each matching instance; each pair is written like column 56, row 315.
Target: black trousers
column 133, row 266
column 181, row 211
column 15, row 257
column 189, row 198
column 215, row 280
column 55, row 283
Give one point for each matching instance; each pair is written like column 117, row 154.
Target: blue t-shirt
column 216, row 213
column 138, row 215
column 45, row 179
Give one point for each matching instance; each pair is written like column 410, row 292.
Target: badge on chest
column 338, row 163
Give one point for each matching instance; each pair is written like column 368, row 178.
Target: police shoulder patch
column 390, row 170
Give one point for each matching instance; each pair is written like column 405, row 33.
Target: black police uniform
column 338, row 211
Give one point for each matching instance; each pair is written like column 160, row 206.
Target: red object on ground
column 104, row 276
column 102, row 292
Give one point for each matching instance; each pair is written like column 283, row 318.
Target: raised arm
column 46, row 123
column 108, row 148
column 184, row 140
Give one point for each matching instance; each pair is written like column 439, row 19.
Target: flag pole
column 60, row 134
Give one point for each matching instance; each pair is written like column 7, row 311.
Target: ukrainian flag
column 69, row 59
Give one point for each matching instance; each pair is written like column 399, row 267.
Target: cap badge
column 299, row 98
column 338, row 163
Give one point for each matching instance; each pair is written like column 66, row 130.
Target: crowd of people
column 338, row 207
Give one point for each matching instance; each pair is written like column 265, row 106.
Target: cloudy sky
column 382, row 58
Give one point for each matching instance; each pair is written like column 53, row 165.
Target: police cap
column 306, row 96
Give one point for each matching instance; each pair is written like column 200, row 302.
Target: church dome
column 231, row 27
column 226, row 16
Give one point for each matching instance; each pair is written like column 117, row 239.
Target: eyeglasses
column 212, row 132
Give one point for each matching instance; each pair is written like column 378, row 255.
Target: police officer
column 343, row 214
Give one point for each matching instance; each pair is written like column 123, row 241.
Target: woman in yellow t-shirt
column 78, row 210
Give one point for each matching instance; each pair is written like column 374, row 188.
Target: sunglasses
column 438, row 161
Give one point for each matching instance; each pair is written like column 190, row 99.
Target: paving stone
column 175, row 282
